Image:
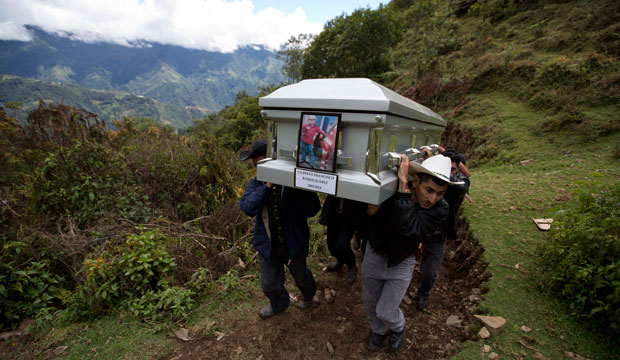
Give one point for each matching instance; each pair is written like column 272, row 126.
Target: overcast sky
column 216, row 25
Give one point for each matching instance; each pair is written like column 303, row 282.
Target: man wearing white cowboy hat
column 397, row 227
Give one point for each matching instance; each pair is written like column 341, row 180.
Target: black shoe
column 352, row 274
column 396, row 340
column 266, row 312
column 376, row 342
column 334, row 266
column 305, row 303
column 421, row 303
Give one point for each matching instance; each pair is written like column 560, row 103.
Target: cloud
column 215, row 25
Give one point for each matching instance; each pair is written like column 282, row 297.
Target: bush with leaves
column 581, row 261
column 69, row 186
column 136, row 276
column 25, row 289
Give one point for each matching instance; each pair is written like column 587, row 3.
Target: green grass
column 507, row 196
column 118, row 337
column 111, row 338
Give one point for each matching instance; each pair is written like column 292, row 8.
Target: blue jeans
column 272, row 280
column 307, row 147
column 432, row 255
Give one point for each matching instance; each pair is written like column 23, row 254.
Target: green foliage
column 69, row 186
column 83, row 182
column 185, row 177
column 582, row 259
column 136, row 276
column 201, row 281
column 292, row 53
column 494, row 10
column 357, row 45
column 431, row 31
column 25, row 290
column 234, row 126
column 15, row 105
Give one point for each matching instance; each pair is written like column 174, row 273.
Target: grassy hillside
column 540, row 82
column 109, row 105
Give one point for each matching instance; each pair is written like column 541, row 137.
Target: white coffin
column 374, row 121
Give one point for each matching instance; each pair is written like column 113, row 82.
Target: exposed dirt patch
column 460, row 137
column 304, row 334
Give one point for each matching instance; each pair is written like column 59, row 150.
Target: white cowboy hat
column 437, row 166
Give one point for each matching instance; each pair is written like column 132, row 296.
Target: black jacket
column 454, row 196
column 337, row 210
column 400, row 225
column 297, row 206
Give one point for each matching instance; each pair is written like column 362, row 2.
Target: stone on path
column 453, row 320
column 473, row 298
column 407, row 300
column 484, row 333
column 182, row 334
column 328, row 296
column 330, row 347
column 495, row 324
column 486, row 348
column 493, row 356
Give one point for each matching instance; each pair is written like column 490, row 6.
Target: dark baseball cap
column 258, row 148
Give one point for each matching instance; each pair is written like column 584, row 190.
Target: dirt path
column 304, row 334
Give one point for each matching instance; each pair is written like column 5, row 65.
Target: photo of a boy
column 309, row 131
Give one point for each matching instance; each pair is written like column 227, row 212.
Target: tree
column 292, row 54
column 353, row 46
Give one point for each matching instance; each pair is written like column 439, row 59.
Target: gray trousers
column 383, row 289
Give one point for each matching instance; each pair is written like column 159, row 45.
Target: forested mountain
column 108, row 105
column 171, row 74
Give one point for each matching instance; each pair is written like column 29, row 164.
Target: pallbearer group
column 416, row 220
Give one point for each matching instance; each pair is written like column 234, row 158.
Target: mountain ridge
column 167, row 73
column 108, row 105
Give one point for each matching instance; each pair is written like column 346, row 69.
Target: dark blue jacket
column 297, row 206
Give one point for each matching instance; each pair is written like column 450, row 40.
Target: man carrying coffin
column 397, row 227
column 281, row 235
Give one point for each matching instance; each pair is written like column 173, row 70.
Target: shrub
column 581, row 262
column 25, row 290
column 136, row 276
column 82, row 181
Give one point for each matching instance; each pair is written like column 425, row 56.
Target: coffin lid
column 351, row 95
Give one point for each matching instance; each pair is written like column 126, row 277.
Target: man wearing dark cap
column 281, row 235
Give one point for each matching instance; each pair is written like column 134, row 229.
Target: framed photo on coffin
column 317, row 142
